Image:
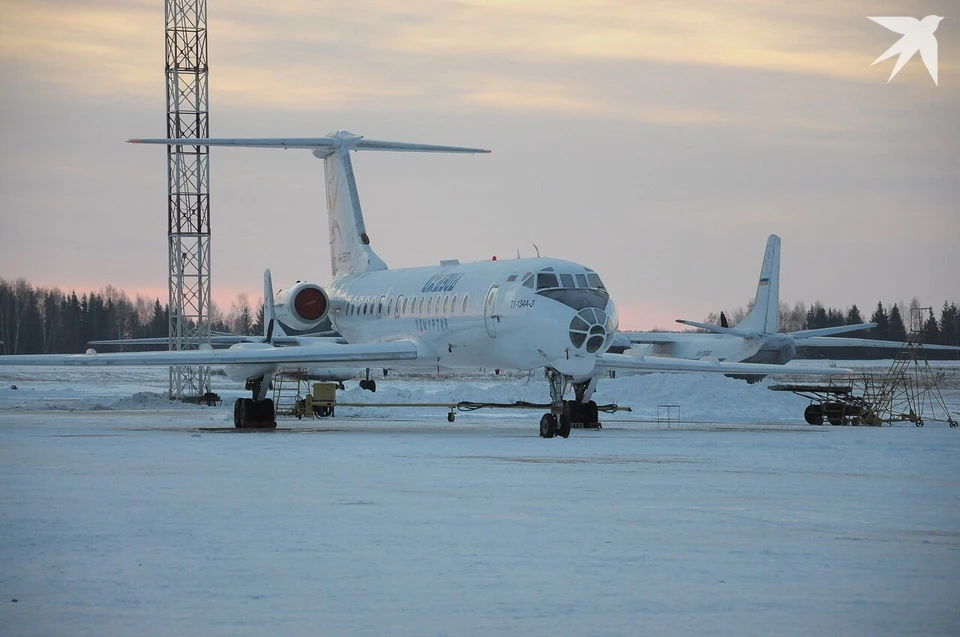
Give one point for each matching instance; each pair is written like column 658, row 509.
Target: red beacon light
column 494, row 258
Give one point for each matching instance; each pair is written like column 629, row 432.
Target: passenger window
column 430, row 305
column 453, row 304
column 566, row 280
column 420, row 305
column 581, row 280
column 389, row 306
column 465, row 298
column 364, row 309
column 546, row 280
column 446, row 304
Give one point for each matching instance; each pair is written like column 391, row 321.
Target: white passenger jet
column 519, row 314
column 755, row 339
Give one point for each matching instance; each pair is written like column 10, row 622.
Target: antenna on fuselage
column 537, row 249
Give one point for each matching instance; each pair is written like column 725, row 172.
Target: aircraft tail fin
column 350, row 249
column 765, row 315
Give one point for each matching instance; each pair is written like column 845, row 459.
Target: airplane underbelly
column 245, row 372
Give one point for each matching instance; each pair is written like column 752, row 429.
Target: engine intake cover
column 310, row 304
column 302, row 306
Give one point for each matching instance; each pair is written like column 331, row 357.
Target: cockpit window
column 528, row 280
column 547, row 280
column 594, row 281
column 566, row 280
column 581, row 280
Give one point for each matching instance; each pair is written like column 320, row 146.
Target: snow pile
column 701, row 397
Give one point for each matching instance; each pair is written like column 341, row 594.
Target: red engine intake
column 302, row 306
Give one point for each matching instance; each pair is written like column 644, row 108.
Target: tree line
column 895, row 322
column 37, row 320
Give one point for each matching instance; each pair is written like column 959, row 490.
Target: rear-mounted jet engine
column 301, row 306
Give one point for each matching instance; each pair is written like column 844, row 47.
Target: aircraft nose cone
column 593, row 328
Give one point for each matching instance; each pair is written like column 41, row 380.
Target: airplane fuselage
column 774, row 349
column 499, row 314
column 519, row 314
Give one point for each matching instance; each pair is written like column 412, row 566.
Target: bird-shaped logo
column 917, row 36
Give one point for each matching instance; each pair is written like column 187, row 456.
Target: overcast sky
column 658, row 142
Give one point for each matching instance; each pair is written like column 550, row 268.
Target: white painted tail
column 350, row 249
column 765, row 315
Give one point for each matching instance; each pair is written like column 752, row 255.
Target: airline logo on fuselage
column 442, row 282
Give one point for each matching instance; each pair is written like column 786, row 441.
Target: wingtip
column 134, row 141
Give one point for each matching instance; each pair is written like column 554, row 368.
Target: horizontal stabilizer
column 313, row 143
column 732, row 331
column 828, row 331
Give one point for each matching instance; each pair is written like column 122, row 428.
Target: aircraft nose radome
column 592, row 329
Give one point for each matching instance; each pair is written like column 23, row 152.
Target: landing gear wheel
column 548, row 426
column 451, row 417
column 563, row 430
column 369, row 385
column 237, row 413
column 835, row 413
column 953, row 424
column 268, row 414
column 919, row 422
column 813, row 414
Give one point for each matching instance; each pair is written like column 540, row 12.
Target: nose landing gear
column 557, row 421
column 566, row 414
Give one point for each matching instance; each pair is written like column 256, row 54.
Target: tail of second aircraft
column 765, row 315
column 350, row 249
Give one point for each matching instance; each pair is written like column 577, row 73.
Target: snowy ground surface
column 122, row 513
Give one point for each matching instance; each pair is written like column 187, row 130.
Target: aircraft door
column 489, row 315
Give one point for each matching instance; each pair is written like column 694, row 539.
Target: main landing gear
column 257, row 412
column 566, row 414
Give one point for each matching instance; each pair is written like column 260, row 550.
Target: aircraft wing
column 830, row 341
column 315, row 355
column 228, row 339
column 621, row 362
column 649, row 338
column 225, row 339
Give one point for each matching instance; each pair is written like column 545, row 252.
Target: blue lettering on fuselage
column 442, row 282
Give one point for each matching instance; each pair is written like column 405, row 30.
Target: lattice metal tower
column 188, row 179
